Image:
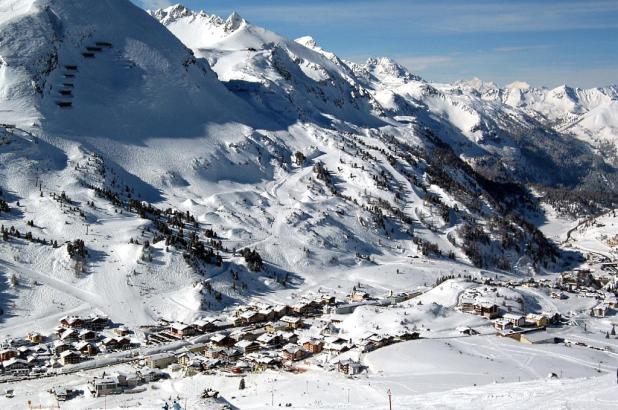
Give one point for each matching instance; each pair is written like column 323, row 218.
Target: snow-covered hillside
column 516, row 133
column 170, row 165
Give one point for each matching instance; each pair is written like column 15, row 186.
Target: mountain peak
column 307, row 41
column 234, row 22
column 171, row 13
column 387, row 69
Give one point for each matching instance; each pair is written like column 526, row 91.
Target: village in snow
column 199, row 213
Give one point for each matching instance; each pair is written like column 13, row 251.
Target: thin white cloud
column 415, row 63
column 448, row 15
column 514, row 49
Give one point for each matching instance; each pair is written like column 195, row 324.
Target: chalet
column 466, row 305
column 16, row 367
column 70, row 357
column 86, row 334
column 232, row 353
column 313, row 346
column 8, row 354
column 503, row 324
column 301, row 308
column 121, row 331
column 293, row 322
column 160, row 361
column 69, row 335
column 516, row 320
column 569, row 283
column 62, row 393
column 205, row 325
column 263, row 362
column 96, row 322
column 247, row 346
column 116, row 343
column 533, row 319
column 358, row 296
column 366, row 346
column 273, row 327
column 340, row 347
column 281, row 310
column 215, row 353
column 221, row 340
column 377, row 340
column 288, row 337
column 180, row 330
column 269, row 340
column 251, row 317
column 71, row 322
column 40, row 349
column 267, row 314
column 105, row 386
column 35, row 337
column 59, row 346
column 293, row 352
column 129, row 379
column 149, row 375
column 244, row 334
column 86, row 348
column 600, row 310
column 349, row 367
column 186, row 359
column 486, row 309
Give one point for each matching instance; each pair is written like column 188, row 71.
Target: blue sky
column 543, row 42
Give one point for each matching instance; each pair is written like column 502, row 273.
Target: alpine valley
column 198, row 212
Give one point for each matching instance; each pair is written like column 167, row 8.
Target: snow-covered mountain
column 268, row 141
column 172, row 164
column 127, row 77
column 589, row 114
column 500, row 135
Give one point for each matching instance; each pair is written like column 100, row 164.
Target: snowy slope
column 498, row 131
column 271, row 70
column 126, row 76
column 150, row 121
column 338, row 174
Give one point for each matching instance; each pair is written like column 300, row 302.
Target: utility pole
column 390, row 402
